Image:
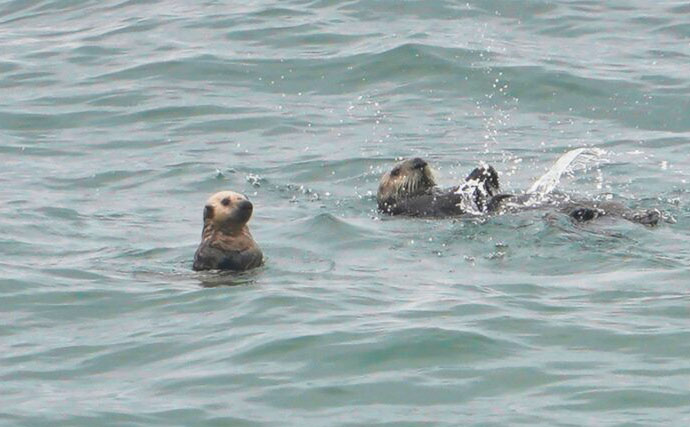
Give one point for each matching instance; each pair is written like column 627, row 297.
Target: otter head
column 409, row 178
column 227, row 212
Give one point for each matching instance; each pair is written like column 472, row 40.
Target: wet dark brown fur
column 226, row 243
column 580, row 211
column 410, row 189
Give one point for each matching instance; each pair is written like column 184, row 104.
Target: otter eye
column 225, row 201
column 395, row 171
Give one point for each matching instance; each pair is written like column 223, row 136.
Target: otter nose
column 418, row 163
column 245, row 205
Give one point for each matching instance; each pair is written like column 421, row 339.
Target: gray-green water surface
column 119, row 118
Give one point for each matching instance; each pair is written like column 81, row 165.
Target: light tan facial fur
column 227, row 212
column 408, row 178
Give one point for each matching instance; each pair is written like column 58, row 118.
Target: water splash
column 570, row 162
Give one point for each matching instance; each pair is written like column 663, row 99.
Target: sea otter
column 580, row 213
column 226, row 243
column 410, row 189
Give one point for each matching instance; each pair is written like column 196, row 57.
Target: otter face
column 227, row 210
column 409, row 178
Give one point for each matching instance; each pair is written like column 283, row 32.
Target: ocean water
column 119, row 118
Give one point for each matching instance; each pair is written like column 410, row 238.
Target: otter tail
column 572, row 161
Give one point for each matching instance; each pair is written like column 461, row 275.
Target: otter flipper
column 486, row 177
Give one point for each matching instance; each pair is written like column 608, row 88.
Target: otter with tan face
column 226, row 243
column 410, row 189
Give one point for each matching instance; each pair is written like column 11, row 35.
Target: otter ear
column 208, row 212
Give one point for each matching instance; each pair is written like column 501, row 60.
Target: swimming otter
column 226, row 243
column 410, row 189
column 581, row 213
